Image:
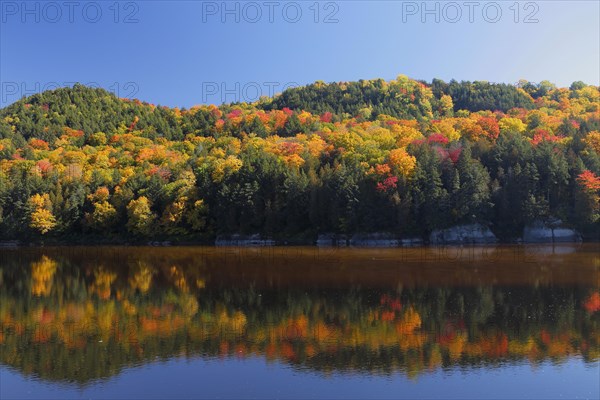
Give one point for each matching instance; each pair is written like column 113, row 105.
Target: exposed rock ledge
column 10, row 243
column 166, row 243
column 243, row 240
column 467, row 234
column 374, row 240
column 377, row 239
column 551, row 231
column 332, row 239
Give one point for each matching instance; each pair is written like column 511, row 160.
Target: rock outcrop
column 412, row 242
column 374, row 240
column 332, row 239
column 243, row 240
column 463, row 234
column 551, row 231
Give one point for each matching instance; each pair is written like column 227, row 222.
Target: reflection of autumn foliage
column 137, row 311
column 494, row 345
column 409, row 322
column 42, row 273
column 592, row 304
column 103, row 280
column 178, row 278
column 141, row 277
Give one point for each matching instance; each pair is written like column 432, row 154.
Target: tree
column 471, row 199
column 587, row 204
column 41, row 217
column 446, row 106
column 140, row 219
column 401, row 162
column 103, row 217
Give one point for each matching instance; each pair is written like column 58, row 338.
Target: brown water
column 453, row 322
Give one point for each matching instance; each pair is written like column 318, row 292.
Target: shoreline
column 35, row 244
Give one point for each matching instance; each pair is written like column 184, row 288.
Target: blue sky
column 181, row 53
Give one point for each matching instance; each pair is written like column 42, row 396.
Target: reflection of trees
column 42, row 273
column 102, row 282
column 140, row 276
column 74, row 318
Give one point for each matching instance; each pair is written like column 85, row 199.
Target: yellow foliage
column 103, row 216
column 406, row 135
column 73, row 171
column 189, row 305
column 42, row 273
column 141, row 278
column 592, row 140
column 402, row 162
column 75, row 157
column 139, row 216
column 446, row 128
column 196, row 216
column 103, row 280
column 174, row 212
column 512, row 125
column 101, row 194
column 316, row 145
column 447, row 105
column 409, row 321
column 42, row 220
column 383, row 137
column 40, row 217
column 129, row 308
column 225, row 167
column 456, row 345
column 38, row 200
column 178, row 278
column 470, row 129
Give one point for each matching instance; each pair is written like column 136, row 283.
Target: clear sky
column 181, row 53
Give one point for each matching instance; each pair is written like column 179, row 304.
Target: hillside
column 402, row 156
column 402, row 98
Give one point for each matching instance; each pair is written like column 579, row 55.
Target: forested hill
column 91, row 110
column 403, row 98
column 403, row 156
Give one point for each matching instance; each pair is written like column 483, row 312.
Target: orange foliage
column 73, row 132
column 489, row 125
column 39, row 144
column 589, row 181
column 542, row 135
column 495, row 345
column 592, row 304
column 44, row 165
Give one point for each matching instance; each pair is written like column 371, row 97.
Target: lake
column 300, row 322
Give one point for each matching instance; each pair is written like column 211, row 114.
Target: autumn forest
column 402, row 156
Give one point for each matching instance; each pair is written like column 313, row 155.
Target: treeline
column 404, row 98
column 478, row 96
column 401, row 98
column 79, row 162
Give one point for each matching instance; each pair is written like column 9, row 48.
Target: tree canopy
column 402, row 156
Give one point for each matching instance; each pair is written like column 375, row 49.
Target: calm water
column 189, row 322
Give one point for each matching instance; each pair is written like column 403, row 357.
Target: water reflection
column 82, row 314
